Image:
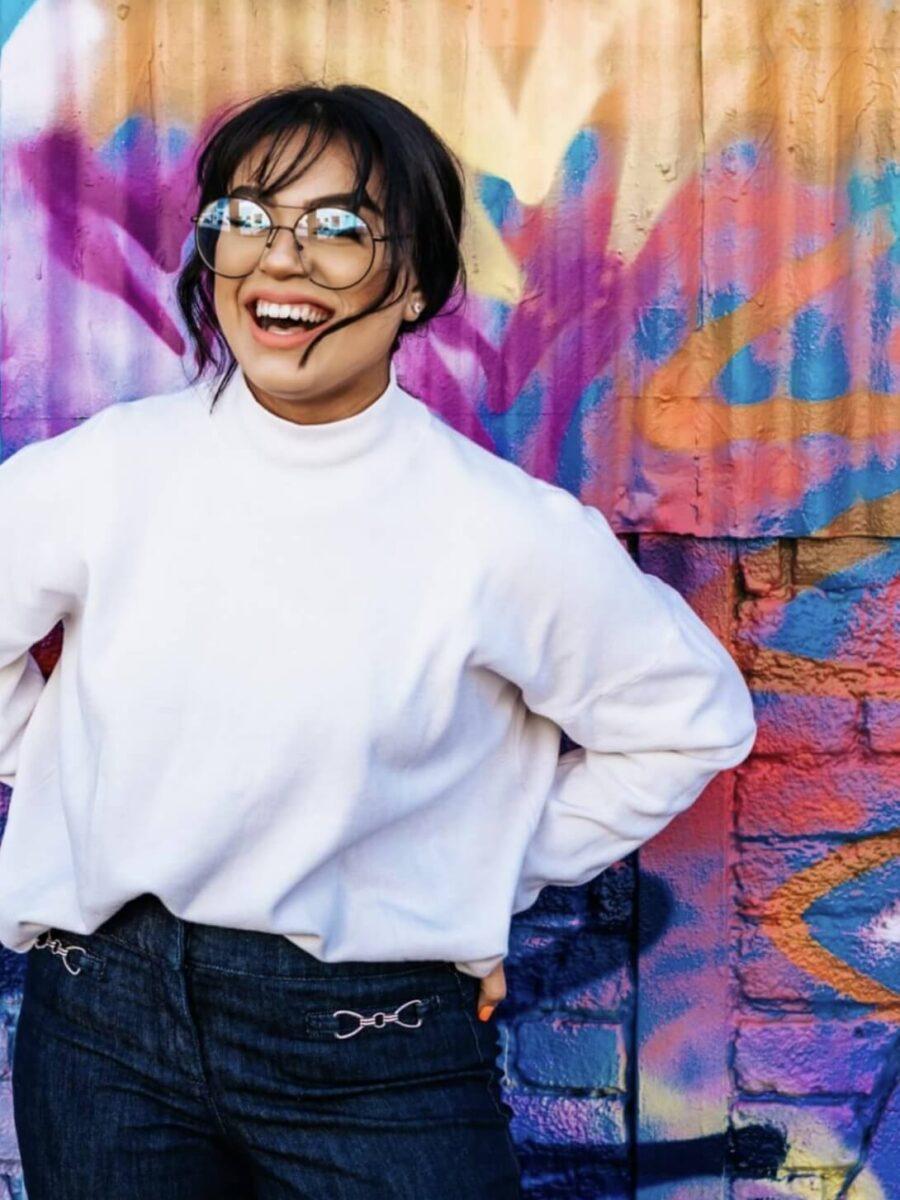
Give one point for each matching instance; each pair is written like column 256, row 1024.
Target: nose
column 281, row 252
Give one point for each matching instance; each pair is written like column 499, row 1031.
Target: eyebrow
column 254, row 192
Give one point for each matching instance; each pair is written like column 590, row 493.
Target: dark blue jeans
column 160, row 1059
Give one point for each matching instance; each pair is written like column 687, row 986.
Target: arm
column 42, row 573
column 621, row 662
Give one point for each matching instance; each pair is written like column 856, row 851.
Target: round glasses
column 336, row 245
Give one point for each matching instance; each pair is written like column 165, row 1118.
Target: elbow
column 735, row 726
column 740, row 744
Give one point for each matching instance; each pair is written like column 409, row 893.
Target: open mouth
column 288, row 324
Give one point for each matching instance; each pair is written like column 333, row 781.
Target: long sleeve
column 621, row 662
column 42, row 492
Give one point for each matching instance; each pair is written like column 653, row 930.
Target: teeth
column 296, row 312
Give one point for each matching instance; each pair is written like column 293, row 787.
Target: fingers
column 491, row 993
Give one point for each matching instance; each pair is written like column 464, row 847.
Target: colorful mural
column 683, row 273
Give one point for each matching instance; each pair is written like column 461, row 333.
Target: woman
column 298, row 763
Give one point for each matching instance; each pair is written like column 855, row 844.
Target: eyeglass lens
column 336, row 244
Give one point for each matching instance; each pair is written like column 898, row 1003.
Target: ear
column 415, row 303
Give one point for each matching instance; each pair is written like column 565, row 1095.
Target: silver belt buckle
column 55, row 946
column 378, row 1020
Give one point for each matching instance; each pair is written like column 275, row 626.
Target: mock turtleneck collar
column 323, row 444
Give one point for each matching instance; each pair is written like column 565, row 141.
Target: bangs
column 267, row 139
column 318, row 135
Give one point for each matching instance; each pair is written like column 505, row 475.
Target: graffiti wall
column 683, row 307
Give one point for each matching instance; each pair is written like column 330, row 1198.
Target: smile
column 265, row 327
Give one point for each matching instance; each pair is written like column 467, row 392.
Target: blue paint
column 815, row 623
column 746, row 379
column 819, row 367
column 572, row 469
column 881, row 378
column 748, row 151
column 177, row 141
column 121, row 141
column 884, row 306
column 659, row 332
column 498, row 317
column 884, row 303
column 863, row 195
column 873, row 480
column 739, row 157
column 498, row 199
column 11, row 13
column 836, row 921
column 866, row 193
column 510, row 430
column 725, row 300
column 581, row 157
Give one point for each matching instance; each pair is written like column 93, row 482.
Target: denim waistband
column 146, row 925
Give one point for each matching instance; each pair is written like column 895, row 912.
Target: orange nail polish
column 484, row 1013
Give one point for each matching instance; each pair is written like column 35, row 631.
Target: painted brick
column 9, row 1146
column 560, row 1175
column 818, row 558
column 818, row 1137
column 610, row 996
column 12, row 971
column 809, row 1057
column 603, row 904
column 689, row 564
column 860, row 607
column 762, row 868
column 846, row 794
column 765, row 975
column 571, row 969
column 569, row 1121
column 562, row 1052
column 794, row 724
column 881, row 725
column 816, row 1185
column 765, row 568
column 883, row 1156
column 10, row 1007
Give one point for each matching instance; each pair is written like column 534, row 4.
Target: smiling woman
column 327, row 227
column 340, row 199
column 299, row 765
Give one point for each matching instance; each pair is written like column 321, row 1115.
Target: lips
column 286, row 298
column 281, row 341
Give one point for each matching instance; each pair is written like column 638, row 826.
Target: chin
column 290, row 381
column 283, row 365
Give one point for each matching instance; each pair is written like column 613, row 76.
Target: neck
column 326, row 406
column 351, row 441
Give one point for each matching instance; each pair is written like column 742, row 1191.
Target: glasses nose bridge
column 299, row 250
column 271, row 234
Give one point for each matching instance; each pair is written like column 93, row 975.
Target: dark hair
column 423, row 196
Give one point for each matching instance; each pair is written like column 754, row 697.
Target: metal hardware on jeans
column 57, row 947
column 386, row 1018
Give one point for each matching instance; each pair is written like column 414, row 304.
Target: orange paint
column 786, row 926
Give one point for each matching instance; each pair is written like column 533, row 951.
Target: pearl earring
column 417, row 307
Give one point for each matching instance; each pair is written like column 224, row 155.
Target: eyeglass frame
column 273, row 229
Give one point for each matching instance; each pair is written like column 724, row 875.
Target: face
column 350, row 368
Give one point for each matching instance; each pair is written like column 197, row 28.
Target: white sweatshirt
column 313, row 679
